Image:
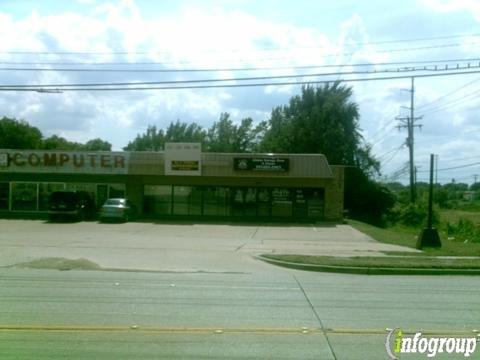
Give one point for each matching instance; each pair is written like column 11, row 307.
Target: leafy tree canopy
column 320, row 120
column 18, row 134
column 56, row 142
column 223, row 136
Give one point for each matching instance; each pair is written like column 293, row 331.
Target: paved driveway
column 177, row 247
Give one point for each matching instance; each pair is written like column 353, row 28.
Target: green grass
column 416, row 262
column 453, row 216
column 429, row 258
column 405, row 236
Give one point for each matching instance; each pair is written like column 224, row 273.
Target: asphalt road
column 269, row 313
column 194, row 291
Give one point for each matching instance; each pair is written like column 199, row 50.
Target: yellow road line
column 220, row 330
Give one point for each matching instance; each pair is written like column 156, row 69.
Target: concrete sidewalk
column 328, row 240
column 178, row 247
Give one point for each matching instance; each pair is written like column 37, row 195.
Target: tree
column 320, row 120
column 182, row 132
column 225, row 136
column 18, row 134
column 56, row 142
column 97, row 145
column 365, row 199
column 154, row 139
column 151, row 140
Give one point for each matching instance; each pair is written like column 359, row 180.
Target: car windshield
column 115, row 202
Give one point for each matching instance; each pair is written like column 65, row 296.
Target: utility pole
column 429, row 236
column 409, row 124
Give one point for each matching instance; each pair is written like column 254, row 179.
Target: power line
column 455, row 167
column 427, row 105
column 389, row 152
column 384, row 42
column 452, row 103
column 235, row 68
column 252, row 78
column 256, row 57
column 394, row 154
column 39, row 88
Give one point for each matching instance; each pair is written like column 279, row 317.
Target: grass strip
column 415, row 262
column 405, row 236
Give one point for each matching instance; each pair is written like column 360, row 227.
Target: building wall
column 334, row 195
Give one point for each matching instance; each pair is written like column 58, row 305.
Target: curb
column 368, row 270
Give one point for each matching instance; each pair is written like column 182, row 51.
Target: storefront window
column 44, row 191
column 24, row 196
column 300, row 209
column 244, row 202
column 195, row 201
column 264, row 202
column 157, row 199
column 215, row 201
column 116, row 191
column 316, row 203
column 281, row 202
column 4, row 195
column 187, row 200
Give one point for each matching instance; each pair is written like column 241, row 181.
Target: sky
column 242, row 38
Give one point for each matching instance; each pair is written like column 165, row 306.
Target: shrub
column 413, row 215
column 463, row 230
column 365, row 199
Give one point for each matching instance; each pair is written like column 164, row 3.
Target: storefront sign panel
column 183, row 159
column 261, row 164
column 64, row 162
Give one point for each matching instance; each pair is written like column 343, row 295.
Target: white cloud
column 448, row 6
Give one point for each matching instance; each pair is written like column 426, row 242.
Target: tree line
column 19, row 134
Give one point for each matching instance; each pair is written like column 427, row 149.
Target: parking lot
column 176, row 247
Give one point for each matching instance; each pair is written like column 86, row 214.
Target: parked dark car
column 117, row 209
column 72, row 205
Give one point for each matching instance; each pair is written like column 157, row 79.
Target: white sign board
column 183, row 159
column 64, row 162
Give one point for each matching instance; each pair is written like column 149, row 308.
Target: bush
column 365, row 199
column 413, row 215
column 464, row 230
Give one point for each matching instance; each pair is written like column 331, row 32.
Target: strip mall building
column 181, row 181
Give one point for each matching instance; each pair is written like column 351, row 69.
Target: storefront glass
column 216, row 201
column 316, row 203
column 300, row 207
column 243, row 201
column 24, row 196
column 264, row 198
column 157, row 199
column 44, row 191
column 116, row 191
column 4, row 195
column 281, row 202
column 238, row 202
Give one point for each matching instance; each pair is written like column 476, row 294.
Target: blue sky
column 225, row 34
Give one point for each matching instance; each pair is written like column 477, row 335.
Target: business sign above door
column 63, row 162
column 183, row 159
column 261, row 164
